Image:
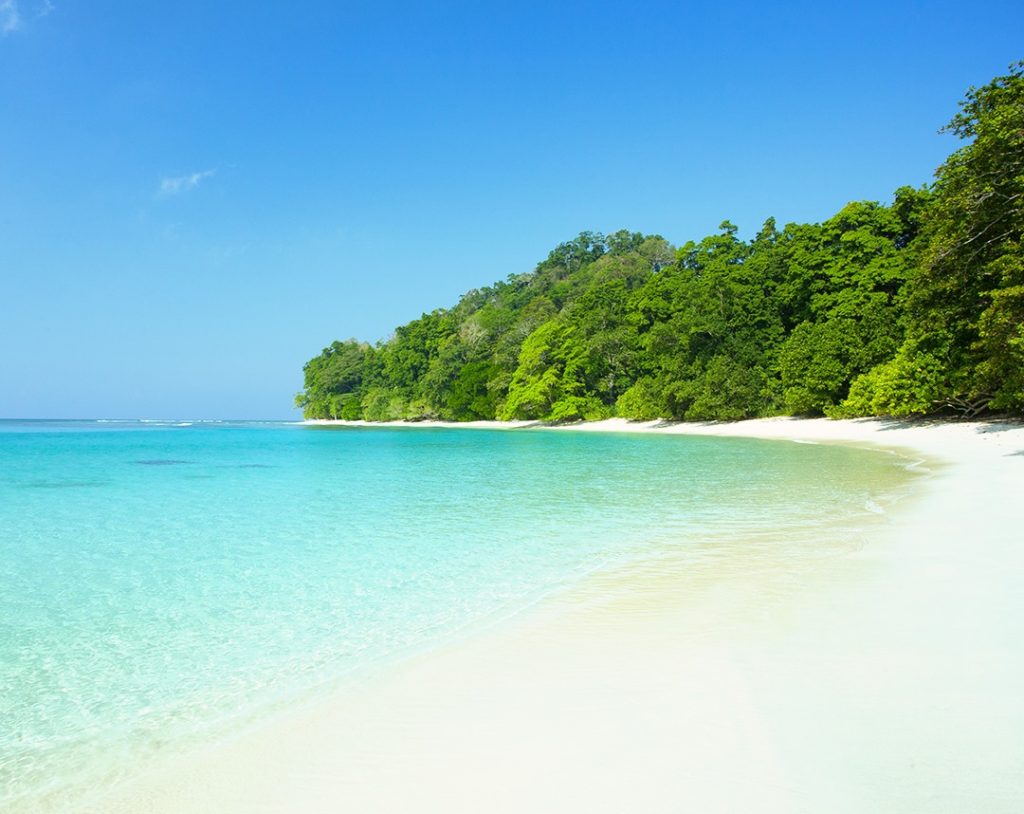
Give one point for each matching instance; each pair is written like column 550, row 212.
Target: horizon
column 197, row 200
column 149, row 420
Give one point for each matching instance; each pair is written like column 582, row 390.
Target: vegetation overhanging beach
column 886, row 679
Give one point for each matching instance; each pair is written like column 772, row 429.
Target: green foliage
column 962, row 301
column 549, row 381
column 333, row 381
column 907, row 385
column 901, row 309
column 814, row 363
column 644, row 401
column 726, row 390
column 382, row 405
column 1001, row 346
column 472, row 395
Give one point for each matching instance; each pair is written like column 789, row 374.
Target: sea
column 166, row 583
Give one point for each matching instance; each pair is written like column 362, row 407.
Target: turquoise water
column 168, row 580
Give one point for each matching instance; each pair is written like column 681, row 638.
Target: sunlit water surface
column 163, row 582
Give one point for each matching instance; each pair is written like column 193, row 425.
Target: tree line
column 911, row 307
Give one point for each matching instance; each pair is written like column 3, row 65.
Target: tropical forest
column 909, row 307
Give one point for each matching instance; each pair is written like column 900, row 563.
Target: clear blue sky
column 196, row 197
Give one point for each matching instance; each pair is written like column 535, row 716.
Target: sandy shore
column 888, row 679
column 953, row 441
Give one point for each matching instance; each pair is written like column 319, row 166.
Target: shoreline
column 884, row 679
column 941, row 438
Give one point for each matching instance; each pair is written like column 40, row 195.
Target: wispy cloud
column 10, row 18
column 15, row 17
column 183, row 183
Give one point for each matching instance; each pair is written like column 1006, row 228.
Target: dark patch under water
column 63, row 484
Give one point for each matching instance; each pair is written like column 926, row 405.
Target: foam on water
column 160, row 583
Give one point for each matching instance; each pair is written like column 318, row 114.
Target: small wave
column 871, row 506
column 161, row 462
column 802, row 441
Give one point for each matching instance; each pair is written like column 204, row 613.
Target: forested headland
column 912, row 307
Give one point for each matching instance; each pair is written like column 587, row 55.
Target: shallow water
column 161, row 582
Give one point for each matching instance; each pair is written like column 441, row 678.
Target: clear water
column 163, row 581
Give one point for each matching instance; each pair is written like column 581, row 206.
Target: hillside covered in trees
column 907, row 308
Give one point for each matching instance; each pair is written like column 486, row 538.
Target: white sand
column 889, row 679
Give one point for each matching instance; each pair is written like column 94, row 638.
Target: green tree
column 907, row 385
column 472, row 394
column 549, row 381
column 967, row 301
column 333, row 381
column 853, row 318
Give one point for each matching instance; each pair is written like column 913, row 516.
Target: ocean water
column 164, row 582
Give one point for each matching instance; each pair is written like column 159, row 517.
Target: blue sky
column 196, row 197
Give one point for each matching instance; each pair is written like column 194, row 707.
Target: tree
column 472, row 395
column 333, row 381
column 549, row 381
column 967, row 301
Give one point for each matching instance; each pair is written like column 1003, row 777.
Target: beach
column 886, row 678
